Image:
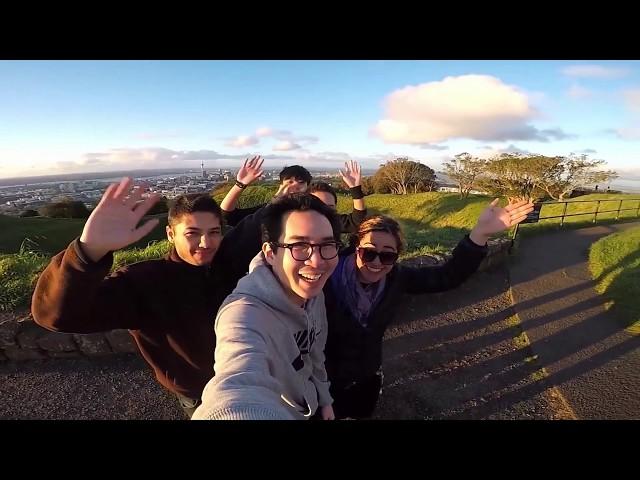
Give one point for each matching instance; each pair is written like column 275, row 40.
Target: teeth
column 309, row 277
column 375, row 270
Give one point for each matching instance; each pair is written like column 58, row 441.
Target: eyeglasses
column 368, row 255
column 302, row 251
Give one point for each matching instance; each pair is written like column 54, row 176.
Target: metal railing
column 534, row 217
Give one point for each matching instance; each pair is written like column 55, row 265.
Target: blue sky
column 80, row 116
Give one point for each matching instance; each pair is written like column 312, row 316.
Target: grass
column 52, row 235
column 18, row 275
column 614, row 262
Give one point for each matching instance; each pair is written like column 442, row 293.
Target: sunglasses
column 368, row 255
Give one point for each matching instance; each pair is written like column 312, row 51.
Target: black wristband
column 241, row 185
column 356, row 192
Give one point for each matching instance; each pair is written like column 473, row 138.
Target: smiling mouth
column 310, row 278
column 373, row 269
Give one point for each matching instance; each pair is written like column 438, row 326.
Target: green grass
column 614, row 262
column 18, row 275
column 432, row 222
column 52, row 235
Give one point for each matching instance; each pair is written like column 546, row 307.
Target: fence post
column 619, row 207
column 564, row 211
column 595, row 216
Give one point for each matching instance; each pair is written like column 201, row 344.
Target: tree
column 29, row 213
column 516, row 176
column 464, row 169
column 572, row 172
column 65, row 209
column 402, row 176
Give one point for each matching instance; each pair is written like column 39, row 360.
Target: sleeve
column 351, row 221
column 465, row 260
column 73, row 295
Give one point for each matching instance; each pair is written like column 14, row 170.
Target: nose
column 315, row 260
column 205, row 242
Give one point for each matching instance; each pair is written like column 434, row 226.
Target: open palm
column 351, row 174
column 112, row 224
column 495, row 219
column 250, row 170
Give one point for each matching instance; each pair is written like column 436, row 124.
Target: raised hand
column 351, row 174
column 112, row 224
column 290, row 185
column 250, row 170
column 495, row 219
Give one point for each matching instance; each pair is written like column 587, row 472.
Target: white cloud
column 594, row 71
column 629, row 133
column 264, row 132
column 242, row 141
column 286, row 146
column 632, row 99
column 479, row 107
column 577, row 92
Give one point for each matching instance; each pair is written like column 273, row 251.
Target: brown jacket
column 168, row 305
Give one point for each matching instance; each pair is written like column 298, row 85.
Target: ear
column 170, row 233
column 269, row 253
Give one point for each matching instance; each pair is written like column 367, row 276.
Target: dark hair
column 191, row 203
column 301, row 202
column 297, row 172
column 379, row 223
column 323, row 187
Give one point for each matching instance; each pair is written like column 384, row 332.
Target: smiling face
column 196, row 237
column 302, row 280
column 373, row 271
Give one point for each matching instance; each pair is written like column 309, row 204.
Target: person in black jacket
column 247, row 232
column 296, row 178
column 365, row 291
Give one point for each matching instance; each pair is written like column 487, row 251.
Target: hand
column 495, row 219
column 250, row 170
column 327, row 413
column 112, row 224
column 290, row 186
column 351, row 176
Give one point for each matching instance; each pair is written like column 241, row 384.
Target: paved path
column 588, row 355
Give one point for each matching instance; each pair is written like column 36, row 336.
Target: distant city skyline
column 65, row 117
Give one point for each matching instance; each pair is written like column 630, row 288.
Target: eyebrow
column 384, row 246
column 307, row 239
column 196, row 229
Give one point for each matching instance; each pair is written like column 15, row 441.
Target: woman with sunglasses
column 365, row 291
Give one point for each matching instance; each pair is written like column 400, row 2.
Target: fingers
column 109, row 192
column 144, row 230
column 134, row 196
column 516, row 205
column 143, row 207
column 516, row 220
column 518, row 209
column 494, row 202
column 259, row 165
column 122, row 189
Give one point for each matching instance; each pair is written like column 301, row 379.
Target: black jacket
column 354, row 352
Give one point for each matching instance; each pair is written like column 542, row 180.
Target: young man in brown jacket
column 168, row 305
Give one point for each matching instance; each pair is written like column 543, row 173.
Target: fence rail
column 534, row 217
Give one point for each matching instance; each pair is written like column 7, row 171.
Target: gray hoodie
column 269, row 358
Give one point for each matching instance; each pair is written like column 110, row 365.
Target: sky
column 87, row 116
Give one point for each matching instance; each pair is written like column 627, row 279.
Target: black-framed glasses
column 302, row 251
column 368, row 255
